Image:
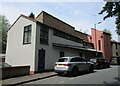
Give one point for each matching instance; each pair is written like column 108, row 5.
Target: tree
column 108, row 31
column 4, row 26
column 113, row 10
column 32, row 15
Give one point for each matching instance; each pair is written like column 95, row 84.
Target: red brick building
column 102, row 42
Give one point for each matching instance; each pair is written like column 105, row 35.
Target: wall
column 2, row 59
column 114, row 50
column 16, row 71
column 18, row 54
column 118, row 38
column 105, row 42
column 107, row 46
column 53, row 53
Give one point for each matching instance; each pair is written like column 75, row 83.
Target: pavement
column 26, row 79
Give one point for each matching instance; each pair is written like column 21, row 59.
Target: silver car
column 72, row 65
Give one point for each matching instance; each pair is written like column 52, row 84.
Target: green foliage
column 113, row 10
column 108, row 32
column 4, row 26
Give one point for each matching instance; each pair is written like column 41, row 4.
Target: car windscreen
column 62, row 60
column 93, row 60
column 102, row 60
column 113, row 58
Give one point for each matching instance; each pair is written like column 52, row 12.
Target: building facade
column 40, row 42
column 118, row 38
column 102, row 42
column 115, row 48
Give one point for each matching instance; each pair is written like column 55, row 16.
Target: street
column 103, row 76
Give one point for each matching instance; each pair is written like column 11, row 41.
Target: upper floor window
column 116, row 45
column 44, row 32
column 99, row 44
column 67, row 36
column 27, row 34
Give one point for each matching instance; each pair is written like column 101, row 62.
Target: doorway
column 41, row 60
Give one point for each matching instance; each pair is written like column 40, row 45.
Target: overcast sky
column 80, row 14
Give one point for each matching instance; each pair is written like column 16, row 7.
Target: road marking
column 61, row 81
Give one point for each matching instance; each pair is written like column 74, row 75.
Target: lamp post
column 95, row 36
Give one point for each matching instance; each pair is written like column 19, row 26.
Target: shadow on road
column 102, row 68
column 80, row 74
column 116, row 82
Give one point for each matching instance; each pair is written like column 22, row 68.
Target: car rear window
column 62, row 60
column 101, row 60
column 114, row 58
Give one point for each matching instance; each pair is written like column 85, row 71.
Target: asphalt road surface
column 104, row 76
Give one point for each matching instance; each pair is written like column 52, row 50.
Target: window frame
column 44, row 35
column 99, row 44
column 62, row 53
column 67, row 36
column 27, row 34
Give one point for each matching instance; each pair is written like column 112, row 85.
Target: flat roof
column 75, row 47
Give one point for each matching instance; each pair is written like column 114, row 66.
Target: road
column 104, row 76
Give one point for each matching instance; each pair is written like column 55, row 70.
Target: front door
column 41, row 60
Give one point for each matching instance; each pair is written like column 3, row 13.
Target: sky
column 80, row 14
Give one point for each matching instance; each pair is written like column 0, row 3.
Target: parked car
column 100, row 62
column 3, row 64
column 115, row 60
column 72, row 65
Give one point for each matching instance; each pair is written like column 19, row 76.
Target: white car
column 72, row 65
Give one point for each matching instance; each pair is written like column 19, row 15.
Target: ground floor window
column 116, row 53
column 80, row 54
column 61, row 54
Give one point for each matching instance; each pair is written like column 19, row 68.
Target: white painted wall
column 118, row 38
column 17, row 53
column 53, row 53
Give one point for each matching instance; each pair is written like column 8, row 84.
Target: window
column 77, row 60
column 85, row 44
column 27, row 34
column 67, row 36
column 99, row 44
column 116, row 53
column 61, row 54
column 116, row 45
column 80, row 54
column 44, row 32
column 62, row 60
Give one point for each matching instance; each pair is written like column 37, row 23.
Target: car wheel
column 91, row 68
column 75, row 71
column 108, row 66
column 101, row 66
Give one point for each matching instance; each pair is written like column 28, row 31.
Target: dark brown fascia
column 54, row 18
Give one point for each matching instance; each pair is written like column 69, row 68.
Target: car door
column 81, row 63
column 85, row 64
column 76, row 62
